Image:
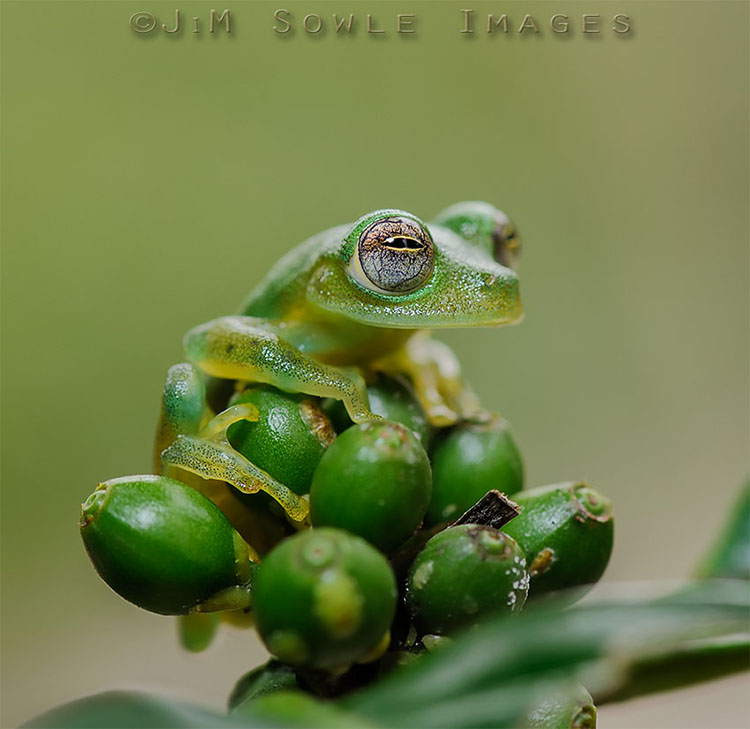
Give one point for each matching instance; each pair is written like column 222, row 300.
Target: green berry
column 374, row 481
column 323, row 599
column 391, row 397
column 197, row 630
column 469, row 461
column 568, row 707
column 463, row 574
column 288, row 440
column 160, row 544
column 394, row 399
column 566, row 531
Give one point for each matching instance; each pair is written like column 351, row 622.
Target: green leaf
column 730, row 555
column 690, row 662
column 126, row 710
column 489, row 676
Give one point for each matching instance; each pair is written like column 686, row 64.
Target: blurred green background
column 150, row 181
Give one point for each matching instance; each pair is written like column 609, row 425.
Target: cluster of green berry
column 412, row 534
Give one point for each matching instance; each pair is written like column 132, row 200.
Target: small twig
column 494, row 509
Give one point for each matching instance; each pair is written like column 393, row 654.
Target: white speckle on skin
column 422, row 575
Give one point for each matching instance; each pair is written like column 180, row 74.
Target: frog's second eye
column 394, row 255
column 506, row 243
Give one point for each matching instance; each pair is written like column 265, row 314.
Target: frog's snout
column 501, row 296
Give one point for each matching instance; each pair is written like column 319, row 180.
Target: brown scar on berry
column 316, row 422
column 542, row 562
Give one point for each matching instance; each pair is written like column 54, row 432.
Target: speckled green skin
column 311, row 283
column 467, row 462
column 323, row 599
column 289, row 438
column 317, row 325
column 160, row 544
column 566, row 531
column 463, row 574
column 374, row 481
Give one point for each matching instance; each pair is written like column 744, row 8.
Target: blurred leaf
column 685, row 664
column 490, row 675
column 730, row 555
column 127, row 710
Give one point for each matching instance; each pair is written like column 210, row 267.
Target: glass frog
column 344, row 305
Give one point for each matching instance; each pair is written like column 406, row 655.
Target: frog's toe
column 441, row 416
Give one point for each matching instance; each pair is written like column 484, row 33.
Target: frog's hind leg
column 436, row 374
column 188, row 438
column 183, row 408
column 210, row 455
column 245, row 348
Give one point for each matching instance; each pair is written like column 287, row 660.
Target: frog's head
column 393, row 270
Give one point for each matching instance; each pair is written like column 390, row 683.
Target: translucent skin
column 317, row 325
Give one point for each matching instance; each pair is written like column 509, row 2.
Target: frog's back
column 282, row 290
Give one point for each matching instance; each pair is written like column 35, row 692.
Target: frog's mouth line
column 511, row 319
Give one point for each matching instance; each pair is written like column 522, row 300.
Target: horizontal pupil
column 404, row 243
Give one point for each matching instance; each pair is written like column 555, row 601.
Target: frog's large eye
column 394, row 255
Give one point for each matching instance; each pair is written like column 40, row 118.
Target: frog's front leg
column 246, row 348
column 436, row 374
